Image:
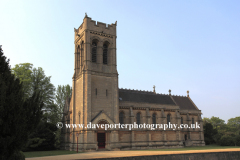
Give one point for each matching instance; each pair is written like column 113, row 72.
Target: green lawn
column 196, row 148
column 47, row 153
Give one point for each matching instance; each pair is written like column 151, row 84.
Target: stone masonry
column 96, row 98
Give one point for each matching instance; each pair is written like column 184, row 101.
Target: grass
column 196, row 148
column 47, row 153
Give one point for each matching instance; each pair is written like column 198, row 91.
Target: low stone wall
column 235, row 155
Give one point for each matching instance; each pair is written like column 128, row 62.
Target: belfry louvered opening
column 94, row 51
column 78, row 57
column 105, row 53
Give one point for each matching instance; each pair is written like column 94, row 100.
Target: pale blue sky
column 178, row 45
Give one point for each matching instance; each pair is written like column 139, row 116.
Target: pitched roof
column 185, row 103
column 145, row 97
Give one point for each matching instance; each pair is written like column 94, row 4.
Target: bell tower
column 95, row 79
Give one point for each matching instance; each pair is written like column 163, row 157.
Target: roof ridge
column 179, row 95
column 136, row 91
column 142, row 91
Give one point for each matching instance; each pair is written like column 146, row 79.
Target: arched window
column 105, row 54
column 94, row 51
column 81, row 55
column 138, row 118
column 193, row 125
column 181, row 120
column 154, row 121
column 168, row 119
column 78, row 56
column 121, row 118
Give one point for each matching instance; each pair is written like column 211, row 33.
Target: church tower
column 95, row 81
column 96, row 100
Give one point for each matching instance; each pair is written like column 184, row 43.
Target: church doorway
column 185, row 137
column 101, row 138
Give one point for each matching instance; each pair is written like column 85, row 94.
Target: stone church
column 96, row 98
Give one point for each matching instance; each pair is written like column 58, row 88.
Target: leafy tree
column 227, row 134
column 226, row 140
column 17, row 117
column 234, row 122
column 209, row 133
column 217, row 122
column 51, row 114
column 43, row 137
column 35, row 80
column 23, row 72
column 63, row 92
column 42, row 83
column 234, row 129
column 206, row 120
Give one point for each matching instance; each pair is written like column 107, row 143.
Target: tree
column 235, row 122
column 209, row 133
column 217, row 122
column 205, row 119
column 234, row 129
column 35, row 80
column 226, row 140
column 42, row 83
column 23, row 72
column 42, row 138
column 52, row 114
column 63, row 92
column 18, row 117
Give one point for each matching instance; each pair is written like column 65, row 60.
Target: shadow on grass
column 47, row 153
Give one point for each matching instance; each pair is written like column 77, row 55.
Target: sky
column 178, row 45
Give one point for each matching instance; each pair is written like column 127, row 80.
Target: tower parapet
column 100, row 27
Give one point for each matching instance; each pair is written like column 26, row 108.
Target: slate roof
column 149, row 97
column 145, row 97
column 184, row 103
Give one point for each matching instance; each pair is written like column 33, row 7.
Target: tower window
column 106, row 92
column 154, row 121
column 181, row 120
column 96, row 91
column 105, row 54
column 121, row 116
column 82, row 51
column 78, row 57
column 193, row 125
column 94, row 52
column 138, row 118
column 168, row 119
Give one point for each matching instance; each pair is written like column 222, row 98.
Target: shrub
column 226, row 140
